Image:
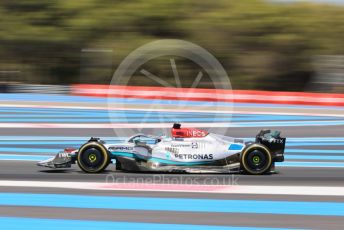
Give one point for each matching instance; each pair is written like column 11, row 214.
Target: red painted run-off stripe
column 241, row 96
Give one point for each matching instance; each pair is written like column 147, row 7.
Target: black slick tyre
column 256, row 159
column 93, row 157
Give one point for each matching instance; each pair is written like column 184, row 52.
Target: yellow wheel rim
column 256, row 159
column 92, row 158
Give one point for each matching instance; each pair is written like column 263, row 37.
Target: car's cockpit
column 143, row 138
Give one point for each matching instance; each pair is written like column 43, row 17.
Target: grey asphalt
column 206, row 218
column 26, row 170
column 19, row 170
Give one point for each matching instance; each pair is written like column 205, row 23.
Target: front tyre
column 256, row 159
column 93, row 157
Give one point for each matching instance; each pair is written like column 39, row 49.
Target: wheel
column 256, row 159
column 93, row 157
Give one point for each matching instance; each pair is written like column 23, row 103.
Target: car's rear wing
column 272, row 140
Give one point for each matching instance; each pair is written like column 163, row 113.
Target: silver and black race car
column 187, row 150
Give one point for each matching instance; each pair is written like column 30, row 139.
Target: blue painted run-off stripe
column 29, row 150
column 307, row 139
column 174, row 204
column 310, row 164
column 285, row 123
column 314, row 157
column 73, row 141
column 135, row 117
column 16, row 223
column 294, row 144
column 326, row 151
column 154, row 120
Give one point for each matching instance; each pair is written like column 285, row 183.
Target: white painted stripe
column 287, row 190
column 224, row 189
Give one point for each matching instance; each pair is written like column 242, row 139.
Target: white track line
column 189, row 188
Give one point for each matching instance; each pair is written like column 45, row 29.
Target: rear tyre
column 93, row 157
column 256, row 159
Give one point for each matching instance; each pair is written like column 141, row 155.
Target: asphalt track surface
column 177, row 219
column 26, row 170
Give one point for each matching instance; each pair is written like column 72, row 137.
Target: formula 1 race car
column 188, row 150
